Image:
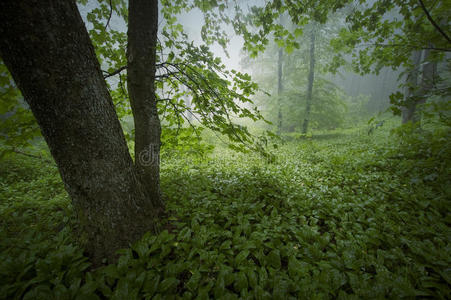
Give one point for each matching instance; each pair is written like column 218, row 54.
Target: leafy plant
column 339, row 216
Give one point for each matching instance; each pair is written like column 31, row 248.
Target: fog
column 370, row 92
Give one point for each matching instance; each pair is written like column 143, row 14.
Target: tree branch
column 111, row 13
column 31, row 155
column 114, row 72
column 433, row 22
column 163, row 99
column 403, row 45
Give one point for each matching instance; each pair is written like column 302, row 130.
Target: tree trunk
column 412, row 82
column 279, row 90
column 311, row 78
column 141, row 56
column 382, row 95
column 416, row 91
column 48, row 51
column 427, row 83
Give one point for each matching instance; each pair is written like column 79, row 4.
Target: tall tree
column 279, row 89
column 49, row 53
column 411, row 84
column 55, row 66
column 311, row 78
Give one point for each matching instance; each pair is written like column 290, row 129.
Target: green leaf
column 273, row 259
column 150, row 285
column 168, row 285
column 241, row 257
column 193, row 282
column 240, row 283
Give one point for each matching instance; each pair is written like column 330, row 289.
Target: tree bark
column 311, row 78
column 141, row 56
column 48, row 51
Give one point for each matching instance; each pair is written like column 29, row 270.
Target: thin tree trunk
column 382, row 93
column 141, row 55
column 426, row 85
column 279, row 90
column 412, row 81
column 49, row 53
column 311, row 78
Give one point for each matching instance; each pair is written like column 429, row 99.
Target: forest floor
column 339, row 215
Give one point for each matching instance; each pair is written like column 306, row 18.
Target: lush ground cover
column 339, row 215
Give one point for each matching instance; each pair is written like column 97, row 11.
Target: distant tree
column 306, row 94
column 279, row 89
column 418, row 87
column 412, row 36
column 311, row 78
column 377, row 34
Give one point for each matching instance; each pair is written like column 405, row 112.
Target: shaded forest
column 204, row 149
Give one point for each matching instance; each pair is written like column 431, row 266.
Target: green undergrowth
column 348, row 215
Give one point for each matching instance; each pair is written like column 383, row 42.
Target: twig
column 108, row 74
column 179, row 124
column 111, row 13
column 31, row 155
column 163, row 99
column 210, row 90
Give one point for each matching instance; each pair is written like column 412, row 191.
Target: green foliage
column 386, row 34
column 357, row 110
column 437, row 111
column 180, row 142
column 329, row 105
column 328, row 110
column 217, row 96
column 341, row 215
column 18, row 127
column 185, row 72
column 39, row 258
column 372, row 34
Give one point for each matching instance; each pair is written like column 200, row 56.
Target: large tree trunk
column 48, row 51
column 311, row 78
column 141, row 55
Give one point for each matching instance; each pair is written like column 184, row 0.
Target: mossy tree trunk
column 48, row 51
